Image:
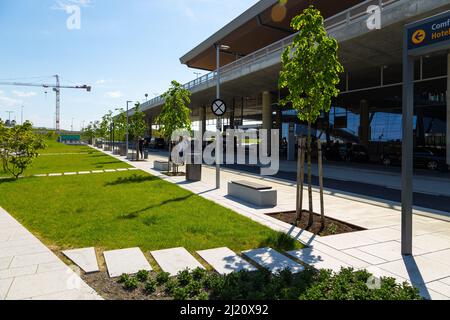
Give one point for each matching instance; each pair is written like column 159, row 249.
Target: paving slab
column 17, row 272
column 4, row 287
column 373, row 260
column 440, row 287
column 346, row 241
column 70, row 173
column 272, row 260
column 98, row 171
column 110, row 170
column 431, row 243
column 55, row 174
column 129, row 261
column 389, row 251
column 84, row 172
column 5, row 262
column 122, row 169
column 46, row 283
column 417, row 269
column 318, row 260
column 175, row 260
column 33, row 259
column 225, row 261
column 85, row 258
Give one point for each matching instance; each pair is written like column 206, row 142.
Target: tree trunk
column 300, row 178
column 311, row 217
column 170, row 156
column 320, row 165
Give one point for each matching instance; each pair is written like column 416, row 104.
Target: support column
column 364, row 123
column 448, row 109
column 203, row 120
column 267, row 115
column 150, row 129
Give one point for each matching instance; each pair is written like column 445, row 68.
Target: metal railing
column 340, row 20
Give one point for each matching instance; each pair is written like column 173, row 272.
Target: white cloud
column 114, row 94
column 9, row 102
column 22, row 94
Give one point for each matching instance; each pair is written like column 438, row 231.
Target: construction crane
column 56, row 88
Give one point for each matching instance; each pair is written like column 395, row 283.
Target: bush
column 142, row 275
column 180, row 294
column 307, row 285
column 123, row 278
column 184, row 278
column 131, row 284
column 150, row 286
column 199, row 274
column 170, row 286
column 162, row 277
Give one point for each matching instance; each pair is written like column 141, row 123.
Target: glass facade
column 370, row 113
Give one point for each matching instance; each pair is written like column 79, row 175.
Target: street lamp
column 126, row 147
column 146, row 97
column 219, row 47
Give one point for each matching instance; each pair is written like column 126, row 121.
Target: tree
column 175, row 113
column 310, row 72
column 137, row 126
column 19, row 147
column 88, row 132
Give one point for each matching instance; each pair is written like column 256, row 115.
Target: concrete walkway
column 377, row 249
column 431, row 184
column 29, row 270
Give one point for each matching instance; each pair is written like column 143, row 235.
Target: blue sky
column 124, row 49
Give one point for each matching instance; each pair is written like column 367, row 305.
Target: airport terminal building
column 368, row 111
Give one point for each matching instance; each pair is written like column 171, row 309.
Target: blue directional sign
column 431, row 31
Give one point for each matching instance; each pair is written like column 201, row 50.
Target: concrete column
column 267, row 115
column 364, row 123
column 203, row 120
column 150, row 129
column 448, row 109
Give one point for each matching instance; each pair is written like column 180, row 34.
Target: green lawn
column 128, row 209
column 60, row 158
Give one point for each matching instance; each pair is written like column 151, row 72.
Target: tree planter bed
column 332, row 226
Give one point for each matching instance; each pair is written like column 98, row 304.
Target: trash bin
column 194, row 169
column 146, row 154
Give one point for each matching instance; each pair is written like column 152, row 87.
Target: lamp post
column 146, row 97
column 218, row 121
column 21, row 115
column 126, row 146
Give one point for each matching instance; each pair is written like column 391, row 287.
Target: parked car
column 422, row 158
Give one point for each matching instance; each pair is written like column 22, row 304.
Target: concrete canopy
column 264, row 23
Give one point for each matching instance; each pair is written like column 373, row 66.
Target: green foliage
column 311, row 67
column 202, row 296
column 120, row 125
column 131, row 284
column 162, row 277
column 170, row 286
column 175, row 113
column 309, row 285
column 137, row 124
column 184, row 277
column 123, row 277
column 332, row 228
column 199, row 274
column 180, row 293
column 19, row 146
column 142, row 275
column 105, row 126
column 150, row 286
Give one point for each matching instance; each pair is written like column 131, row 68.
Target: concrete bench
column 254, row 193
column 161, row 165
